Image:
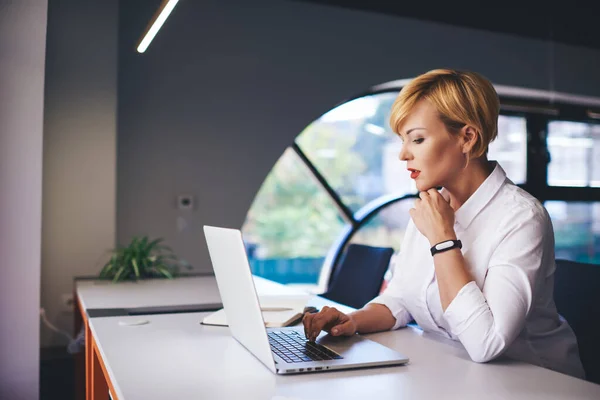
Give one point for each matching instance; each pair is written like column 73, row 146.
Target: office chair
column 577, row 298
column 359, row 275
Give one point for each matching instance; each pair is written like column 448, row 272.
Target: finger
column 344, row 329
column 306, row 321
column 318, row 323
column 436, row 196
column 433, row 192
column 325, row 317
column 417, row 203
column 312, row 323
column 423, row 195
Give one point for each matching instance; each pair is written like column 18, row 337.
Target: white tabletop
column 101, row 294
column 174, row 357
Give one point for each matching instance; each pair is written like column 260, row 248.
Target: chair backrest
column 359, row 275
column 577, row 298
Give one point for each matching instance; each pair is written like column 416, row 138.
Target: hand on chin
column 425, row 186
column 433, row 216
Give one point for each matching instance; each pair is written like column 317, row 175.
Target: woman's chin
column 422, row 186
column 425, row 186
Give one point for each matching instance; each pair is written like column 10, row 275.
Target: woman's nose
column 404, row 154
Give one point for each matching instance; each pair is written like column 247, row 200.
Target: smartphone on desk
column 307, row 309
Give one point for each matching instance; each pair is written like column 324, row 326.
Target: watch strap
column 445, row 246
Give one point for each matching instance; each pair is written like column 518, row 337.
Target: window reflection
column 576, row 230
column 510, row 147
column 574, row 154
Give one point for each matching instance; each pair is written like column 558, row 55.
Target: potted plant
column 140, row 259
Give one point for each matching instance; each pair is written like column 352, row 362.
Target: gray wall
column 227, row 85
column 22, row 52
column 79, row 187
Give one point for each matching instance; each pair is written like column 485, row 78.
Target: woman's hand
column 433, row 217
column 329, row 319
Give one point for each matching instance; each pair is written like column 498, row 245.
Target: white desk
column 148, row 296
column 174, row 357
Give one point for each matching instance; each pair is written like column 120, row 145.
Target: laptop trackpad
column 357, row 348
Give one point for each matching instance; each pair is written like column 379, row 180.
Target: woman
column 477, row 259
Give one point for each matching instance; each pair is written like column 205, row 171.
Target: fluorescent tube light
column 163, row 12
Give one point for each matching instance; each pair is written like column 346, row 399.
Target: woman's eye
column 420, row 140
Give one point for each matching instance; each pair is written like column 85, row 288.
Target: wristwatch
column 445, row 246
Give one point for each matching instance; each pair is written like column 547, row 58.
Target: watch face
column 444, row 245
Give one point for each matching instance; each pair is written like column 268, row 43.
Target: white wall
column 227, row 85
column 79, row 149
column 22, row 52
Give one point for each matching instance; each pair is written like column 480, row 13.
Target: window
column 386, row 228
column 510, row 147
column 574, row 154
column 291, row 224
column 576, row 230
column 355, row 150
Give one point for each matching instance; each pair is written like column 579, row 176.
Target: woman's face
column 434, row 156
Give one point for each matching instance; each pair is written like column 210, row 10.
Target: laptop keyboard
column 295, row 348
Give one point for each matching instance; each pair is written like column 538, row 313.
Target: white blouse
column 508, row 246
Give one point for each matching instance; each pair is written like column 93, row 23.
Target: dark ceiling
column 573, row 22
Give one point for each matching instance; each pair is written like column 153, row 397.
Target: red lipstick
column 414, row 173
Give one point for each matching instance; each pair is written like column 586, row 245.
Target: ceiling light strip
column 159, row 19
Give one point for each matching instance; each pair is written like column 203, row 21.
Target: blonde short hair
column 461, row 98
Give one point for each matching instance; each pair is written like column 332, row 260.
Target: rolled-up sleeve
column 395, row 306
column 488, row 319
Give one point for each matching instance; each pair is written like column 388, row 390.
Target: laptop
column 281, row 350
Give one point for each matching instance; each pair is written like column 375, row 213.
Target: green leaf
column 135, row 267
column 110, row 264
column 126, row 259
column 164, row 271
column 118, row 274
column 105, row 272
column 144, row 266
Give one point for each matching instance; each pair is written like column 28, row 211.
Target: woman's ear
column 469, row 137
